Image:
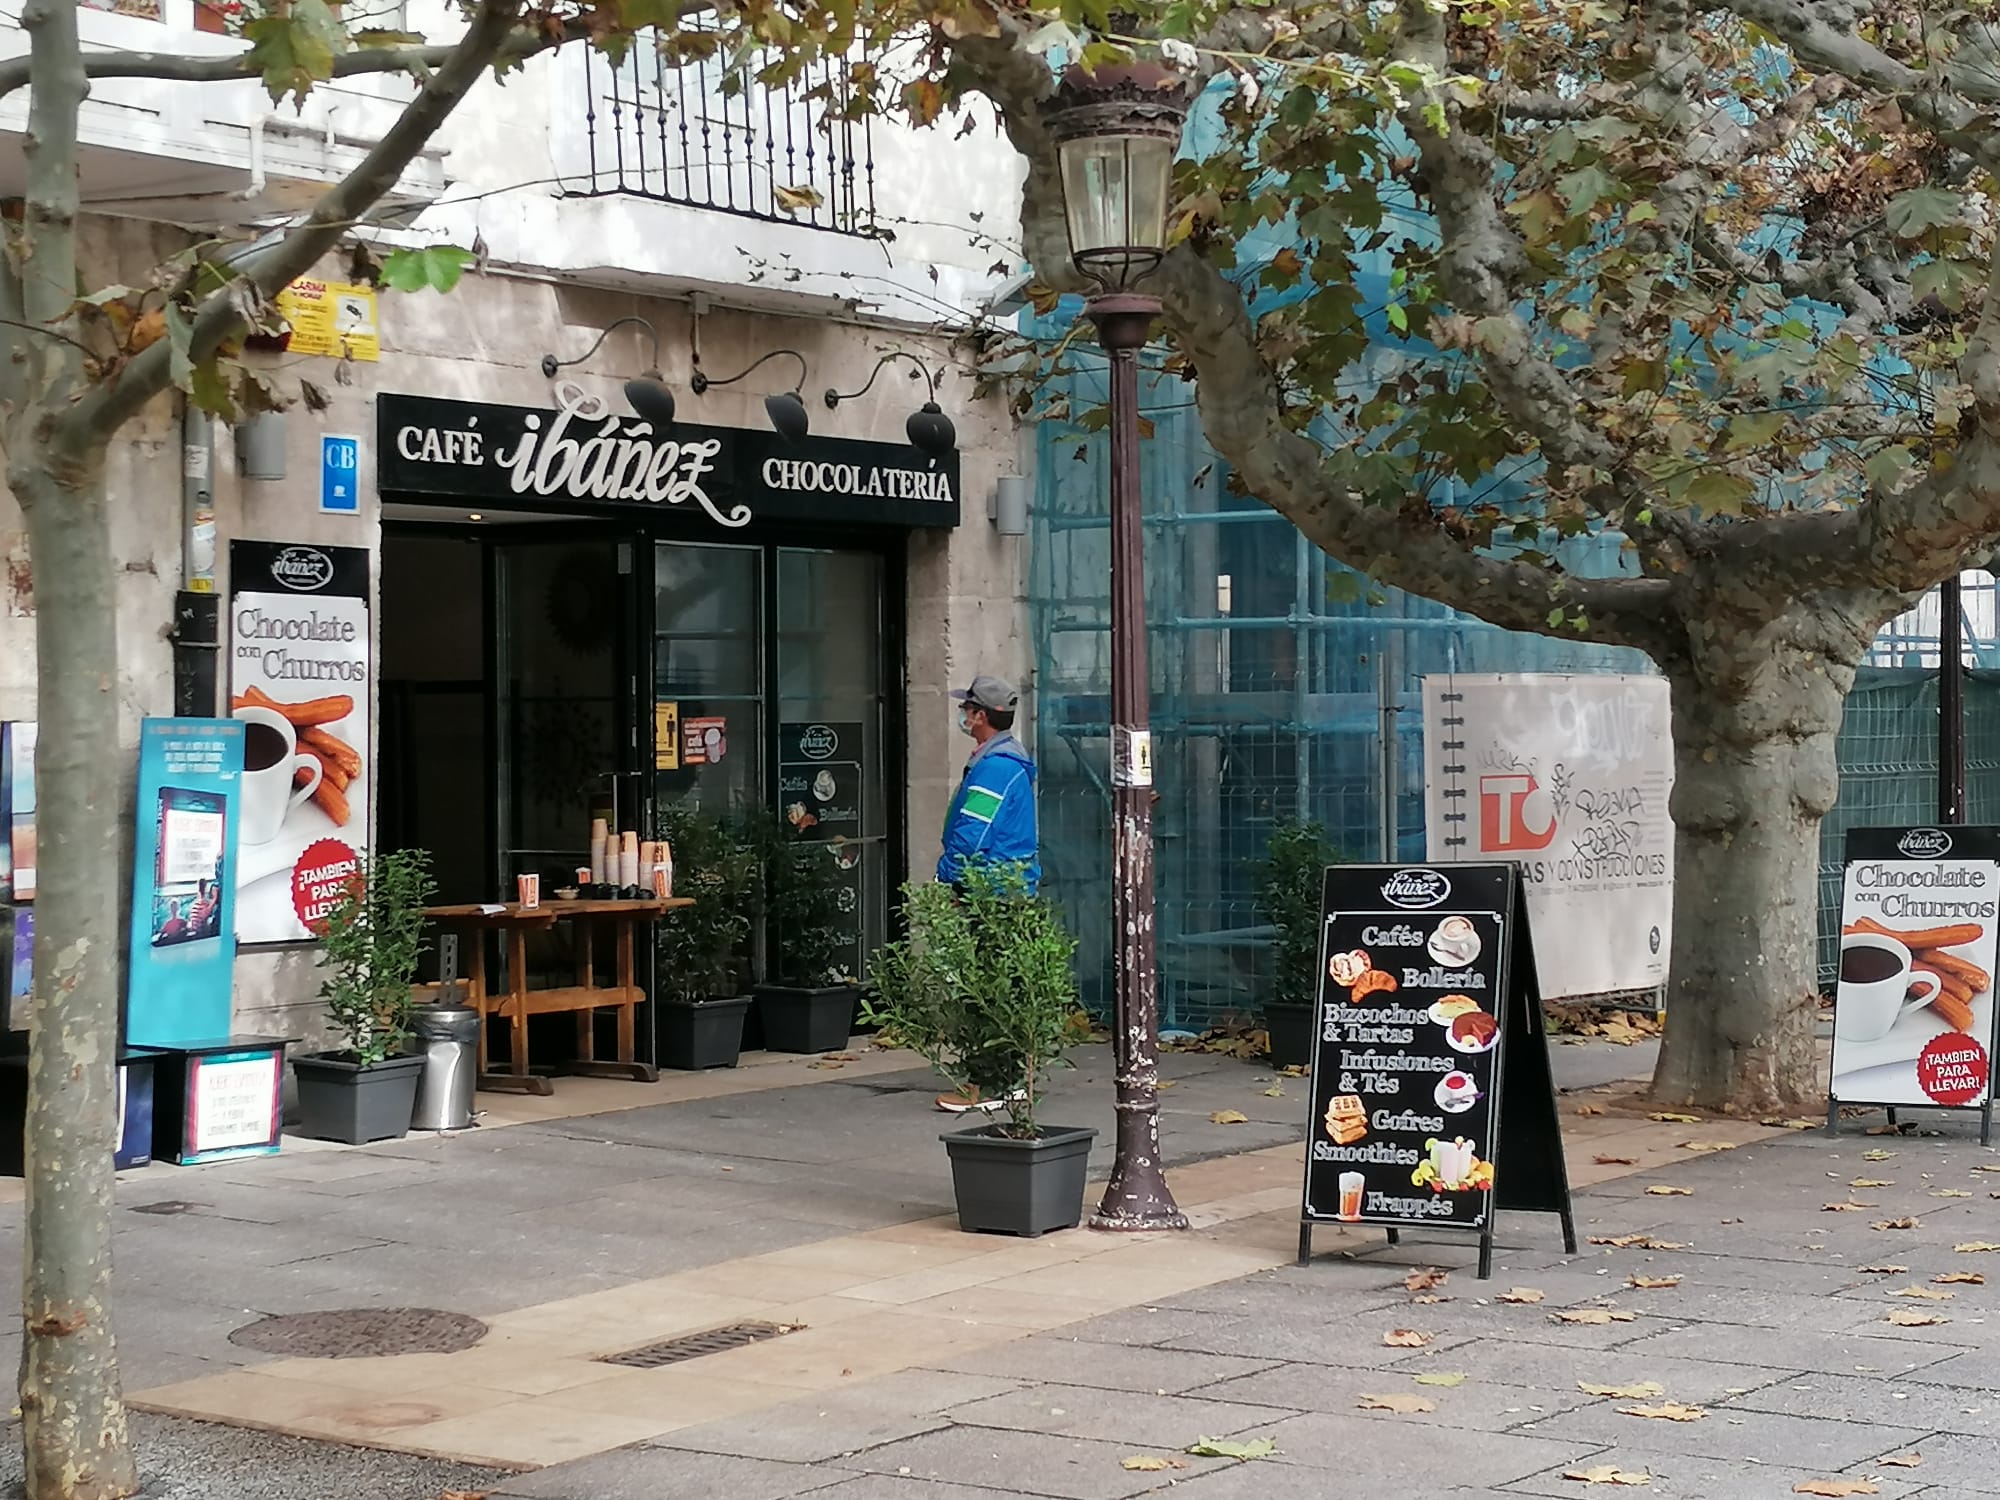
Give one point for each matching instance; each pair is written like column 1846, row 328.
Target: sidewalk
column 934, row 1360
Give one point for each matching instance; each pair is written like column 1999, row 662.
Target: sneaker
column 966, row 1103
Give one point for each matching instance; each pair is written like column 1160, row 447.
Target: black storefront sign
column 584, row 453
column 820, row 795
column 1432, row 1100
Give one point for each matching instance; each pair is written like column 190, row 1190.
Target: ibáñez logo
column 1414, row 889
column 302, row 568
column 1924, row 843
column 817, row 742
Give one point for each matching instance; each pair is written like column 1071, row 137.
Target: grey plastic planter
column 1290, row 1030
column 354, row 1102
column 799, row 1020
column 1008, row 1186
column 708, row 1034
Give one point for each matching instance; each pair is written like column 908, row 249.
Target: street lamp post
column 1116, row 132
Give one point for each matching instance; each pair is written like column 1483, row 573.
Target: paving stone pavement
column 1777, row 1329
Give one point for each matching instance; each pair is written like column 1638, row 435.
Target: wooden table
column 585, row 998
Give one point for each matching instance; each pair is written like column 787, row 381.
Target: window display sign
column 820, row 795
column 298, row 682
column 1913, row 1018
column 218, row 1099
column 183, row 880
column 587, row 451
column 704, row 741
column 1428, row 1054
column 17, row 773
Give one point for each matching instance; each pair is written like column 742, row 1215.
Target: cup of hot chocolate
column 271, row 763
column 1877, row 987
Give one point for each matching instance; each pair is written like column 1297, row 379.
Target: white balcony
column 210, row 154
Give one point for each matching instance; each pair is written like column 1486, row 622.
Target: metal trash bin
column 447, row 1038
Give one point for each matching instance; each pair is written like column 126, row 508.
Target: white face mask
column 965, row 723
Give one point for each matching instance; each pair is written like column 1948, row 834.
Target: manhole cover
column 694, row 1345
column 362, row 1332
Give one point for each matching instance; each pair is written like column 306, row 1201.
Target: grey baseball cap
column 988, row 692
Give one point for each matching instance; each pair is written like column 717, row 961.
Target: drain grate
column 362, row 1332
column 695, row 1345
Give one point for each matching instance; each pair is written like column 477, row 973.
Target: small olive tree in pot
column 369, row 946
column 807, row 1003
column 1289, row 884
column 701, row 948
column 984, row 988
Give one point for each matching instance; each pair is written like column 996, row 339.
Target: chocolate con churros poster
column 298, row 681
column 1913, row 1001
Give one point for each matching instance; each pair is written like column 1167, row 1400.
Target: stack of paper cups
column 599, row 837
column 628, row 859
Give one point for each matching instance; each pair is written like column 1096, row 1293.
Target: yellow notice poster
column 332, row 318
column 666, row 736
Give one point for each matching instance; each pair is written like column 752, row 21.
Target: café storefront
column 583, row 617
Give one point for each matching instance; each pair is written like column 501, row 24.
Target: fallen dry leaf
column 1901, row 1460
column 1229, row 1117
column 1835, row 1487
column 1909, row 1223
column 463, row 1495
column 1922, row 1293
column 1883, row 1270
column 1275, row 1091
column 1670, row 1192
column 1401, row 1402
column 1618, row 1161
column 1593, row 1315
column 1146, row 1463
column 1708, row 1145
column 1666, row 1411
column 1607, row 1474
column 1428, row 1299
column 1909, row 1317
column 1849, row 1207
column 1949, row 1193
column 1991, row 1166
column 1424, row 1278
column 1451, row 1379
column 1791, row 1122
column 1869, row 1182
column 1635, row 1392
column 1667, row 1117
column 1636, row 1242
column 1166, row 1083
column 1975, row 1247
column 1957, row 1278
column 1406, row 1338
column 1590, row 1109
column 1524, row 1295
column 1652, row 1283
column 826, row 1063
column 1877, row 1154
column 1262, row 1447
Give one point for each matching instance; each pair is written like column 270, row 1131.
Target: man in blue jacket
column 992, row 815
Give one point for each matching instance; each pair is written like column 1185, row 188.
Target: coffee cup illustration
column 271, row 763
column 1876, row 988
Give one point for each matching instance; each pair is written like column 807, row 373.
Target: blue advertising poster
column 184, row 881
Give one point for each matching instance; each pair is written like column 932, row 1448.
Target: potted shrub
column 700, row 947
column 369, row 945
column 807, row 1003
column 984, row 989
column 1289, row 886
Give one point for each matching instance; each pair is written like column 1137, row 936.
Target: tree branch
column 178, row 67
column 343, row 205
column 1242, row 414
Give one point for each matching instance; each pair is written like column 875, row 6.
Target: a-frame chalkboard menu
column 1433, row 1105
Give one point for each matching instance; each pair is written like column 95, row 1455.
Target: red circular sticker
column 1952, row 1069
column 318, row 877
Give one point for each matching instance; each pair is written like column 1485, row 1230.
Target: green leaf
column 1585, row 188
column 294, row 51
column 208, row 388
column 1225, row 1448
column 1719, row 494
column 1754, row 429
column 1642, row 213
column 180, row 333
column 1886, row 466
column 1398, row 319
column 438, row 267
column 1911, row 214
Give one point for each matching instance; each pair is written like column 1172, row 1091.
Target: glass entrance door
column 832, row 724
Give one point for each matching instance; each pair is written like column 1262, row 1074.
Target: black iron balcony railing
column 670, row 131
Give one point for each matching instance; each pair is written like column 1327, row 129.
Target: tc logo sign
column 1515, row 814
